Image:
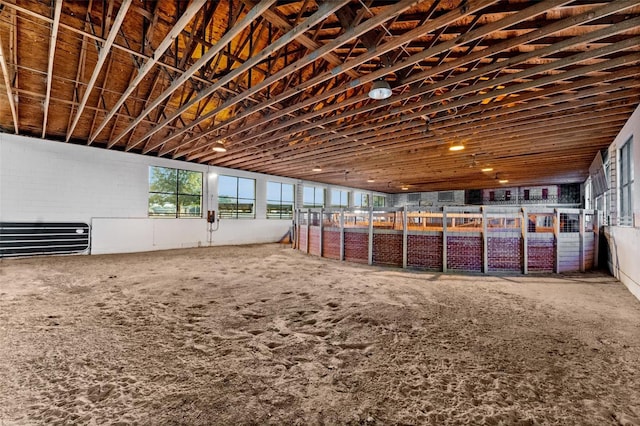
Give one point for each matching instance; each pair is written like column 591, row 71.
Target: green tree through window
column 174, row 192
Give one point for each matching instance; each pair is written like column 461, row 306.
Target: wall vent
column 41, row 238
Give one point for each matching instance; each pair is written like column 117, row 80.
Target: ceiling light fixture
column 219, row 147
column 370, row 180
column 487, row 169
column 405, row 188
column 503, row 181
column 317, row 169
column 380, row 90
column 456, row 147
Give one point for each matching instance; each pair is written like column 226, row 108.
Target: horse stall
column 468, row 239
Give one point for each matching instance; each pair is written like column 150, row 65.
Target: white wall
column 624, row 241
column 48, row 181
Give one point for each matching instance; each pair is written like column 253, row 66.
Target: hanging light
column 487, row 169
column 370, row 180
column 317, row 169
column 380, row 90
column 219, row 147
column 456, row 147
column 503, row 181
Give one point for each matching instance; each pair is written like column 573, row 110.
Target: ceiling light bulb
column 218, row 147
column 458, row 147
column 380, row 90
column 487, row 169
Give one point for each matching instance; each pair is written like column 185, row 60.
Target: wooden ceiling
column 532, row 89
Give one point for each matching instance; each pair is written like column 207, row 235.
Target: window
column 527, row 194
column 625, row 216
column 339, row 198
column 360, row 199
column 545, row 193
column 378, row 201
column 312, row 197
column 174, row 193
column 507, row 195
column 446, row 196
column 492, row 195
column 279, row 200
column 236, row 197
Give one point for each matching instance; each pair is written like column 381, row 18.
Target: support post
column 444, row 239
column 525, row 241
column 341, row 234
column 556, row 238
column 405, row 237
column 371, row 236
column 321, row 231
column 581, row 239
column 596, row 238
column 485, row 242
column 308, row 229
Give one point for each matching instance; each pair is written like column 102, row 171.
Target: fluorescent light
column 458, row 147
column 487, row 169
column 380, row 90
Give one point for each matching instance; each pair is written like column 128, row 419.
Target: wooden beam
column 7, row 83
column 106, row 49
column 148, row 66
column 445, row 19
column 296, row 66
column 226, row 39
column 436, row 104
column 52, row 53
column 323, row 11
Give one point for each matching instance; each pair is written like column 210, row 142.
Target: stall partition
column 485, row 239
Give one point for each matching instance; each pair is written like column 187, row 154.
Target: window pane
column 308, row 195
column 189, row 206
column 162, row 205
column 189, row 182
column 273, row 191
column 287, row 192
column 227, row 186
column 246, row 188
column 162, row 179
column 319, row 197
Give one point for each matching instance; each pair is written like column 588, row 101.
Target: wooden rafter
column 252, row 15
column 106, row 50
column 478, row 87
column 148, row 66
column 7, row 83
column 52, row 53
column 324, row 10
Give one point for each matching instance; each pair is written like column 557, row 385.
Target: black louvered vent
column 38, row 238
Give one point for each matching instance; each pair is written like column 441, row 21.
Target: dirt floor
column 267, row 335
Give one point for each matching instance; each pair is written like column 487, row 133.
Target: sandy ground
column 267, row 335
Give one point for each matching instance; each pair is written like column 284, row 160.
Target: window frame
column 235, row 213
column 360, row 199
column 340, row 193
column 314, row 204
column 625, row 184
column 178, row 195
column 376, row 200
column 280, row 202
